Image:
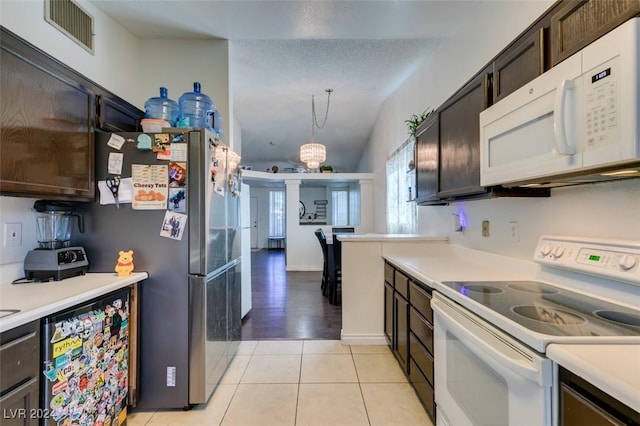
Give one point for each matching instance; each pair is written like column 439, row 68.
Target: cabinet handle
column 541, row 51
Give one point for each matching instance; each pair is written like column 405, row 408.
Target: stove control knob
column 627, row 262
column 558, row 251
column 545, row 249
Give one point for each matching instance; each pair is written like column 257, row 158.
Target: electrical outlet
column 485, row 228
column 514, row 231
column 12, row 235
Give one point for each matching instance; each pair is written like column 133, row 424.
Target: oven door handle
column 483, row 349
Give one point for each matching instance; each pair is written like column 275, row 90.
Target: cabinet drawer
column 421, row 357
column 402, row 284
column 422, row 329
column 388, row 273
column 421, row 300
column 22, row 402
column 423, row 389
column 19, row 360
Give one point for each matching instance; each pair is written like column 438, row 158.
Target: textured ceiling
column 283, row 52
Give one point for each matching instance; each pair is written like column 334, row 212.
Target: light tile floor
column 303, row 382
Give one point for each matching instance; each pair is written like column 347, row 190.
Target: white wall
column 176, row 64
column 115, row 64
column 607, row 210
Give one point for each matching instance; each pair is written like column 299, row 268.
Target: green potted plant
column 416, row 120
column 326, row 169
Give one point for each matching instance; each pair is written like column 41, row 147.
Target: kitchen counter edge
column 84, row 289
column 607, row 367
column 365, row 238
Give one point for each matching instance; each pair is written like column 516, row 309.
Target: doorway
column 288, row 304
column 253, row 207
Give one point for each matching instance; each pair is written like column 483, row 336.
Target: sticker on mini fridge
column 173, row 225
column 150, row 185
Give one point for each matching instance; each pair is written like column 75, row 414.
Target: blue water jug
column 196, row 109
column 162, row 108
column 218, row 123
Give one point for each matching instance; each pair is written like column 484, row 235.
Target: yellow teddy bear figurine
column 124, row 266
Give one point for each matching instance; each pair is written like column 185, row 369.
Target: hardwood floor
column 287, row 305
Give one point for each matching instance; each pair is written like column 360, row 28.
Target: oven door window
column 481, row 392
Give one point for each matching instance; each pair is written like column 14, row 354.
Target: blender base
column 56, row 265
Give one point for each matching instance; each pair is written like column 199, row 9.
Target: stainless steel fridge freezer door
column 208, row 334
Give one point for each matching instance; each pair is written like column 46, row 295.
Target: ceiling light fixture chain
column 326, row 114
column 314, row 153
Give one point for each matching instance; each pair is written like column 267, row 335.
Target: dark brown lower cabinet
column 19, row 375
column 411, row 326
column 401, row 329
column 581, row 403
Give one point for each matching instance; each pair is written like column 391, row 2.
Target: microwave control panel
column 601, row 93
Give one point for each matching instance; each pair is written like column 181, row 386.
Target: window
column 276, row 213
column 401, row 214
column 339, row 207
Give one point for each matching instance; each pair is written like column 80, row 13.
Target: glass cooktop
column 549, row 310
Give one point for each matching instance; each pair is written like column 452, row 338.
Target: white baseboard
column 362, row 339
column 302, row 268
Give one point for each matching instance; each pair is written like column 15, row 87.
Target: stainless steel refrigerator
column 190, row 305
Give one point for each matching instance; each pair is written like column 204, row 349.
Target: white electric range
column 490, row 336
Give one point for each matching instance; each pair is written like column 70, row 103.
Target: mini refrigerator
column 85, row 362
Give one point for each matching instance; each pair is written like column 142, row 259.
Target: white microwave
column 576, row 123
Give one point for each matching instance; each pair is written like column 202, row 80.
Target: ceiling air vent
column 71, row 19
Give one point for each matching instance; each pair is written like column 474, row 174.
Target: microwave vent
column 72, row 20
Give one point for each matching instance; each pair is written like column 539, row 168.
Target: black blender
column 55, row 259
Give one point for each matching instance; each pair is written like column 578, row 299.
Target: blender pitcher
column 53, row 224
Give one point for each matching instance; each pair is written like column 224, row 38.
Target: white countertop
column 360, row 238
column 435, row 263
column 614, row 369
column 37, row 300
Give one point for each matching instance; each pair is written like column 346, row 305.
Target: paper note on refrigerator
column 150, row 186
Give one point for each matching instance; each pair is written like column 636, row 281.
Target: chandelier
column 313, row 153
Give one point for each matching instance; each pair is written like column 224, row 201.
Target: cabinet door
column 388, row 313
column 460, row 138
column 47, row 141
column 401, row 307
column 575, row 24
column 519, row 64
column 115, row 115
column 20, row 406
column 427, row 160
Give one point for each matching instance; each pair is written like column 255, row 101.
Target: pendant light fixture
column 313, row 153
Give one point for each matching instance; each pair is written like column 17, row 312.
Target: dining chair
column 335, row 288
column 325, row 257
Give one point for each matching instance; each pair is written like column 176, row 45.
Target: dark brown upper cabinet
column 460, row 138
column 114, row 115
column 428, row 161
column 575, row 24
column 46, row 120
column 519, row 64
column 48, row 117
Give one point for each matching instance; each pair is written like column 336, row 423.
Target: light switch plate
column 485, row 228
